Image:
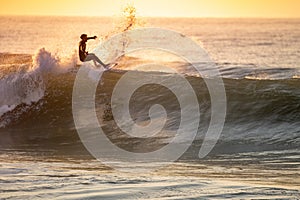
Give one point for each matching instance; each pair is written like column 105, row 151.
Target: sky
column 154, row 8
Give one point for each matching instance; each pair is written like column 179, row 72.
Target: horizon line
column 192, row 17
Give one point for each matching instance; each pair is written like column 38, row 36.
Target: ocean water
column 256, row 157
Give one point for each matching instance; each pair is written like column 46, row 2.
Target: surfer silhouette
column 86, row 56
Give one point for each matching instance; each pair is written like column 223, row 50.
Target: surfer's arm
column 82, row 48
column 82, row 51
column 94, row 37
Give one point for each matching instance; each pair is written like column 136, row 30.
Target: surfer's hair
column 83, row 36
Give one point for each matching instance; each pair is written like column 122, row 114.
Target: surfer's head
column 83, row 36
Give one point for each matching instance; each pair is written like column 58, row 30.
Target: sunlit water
column 256, row 157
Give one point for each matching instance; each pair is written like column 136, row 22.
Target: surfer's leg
column 94, row 58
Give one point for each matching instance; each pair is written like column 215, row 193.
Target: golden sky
column 167, row 8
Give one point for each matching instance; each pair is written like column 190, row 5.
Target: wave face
column 37, row 110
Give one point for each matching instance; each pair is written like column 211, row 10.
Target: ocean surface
column 256, row 157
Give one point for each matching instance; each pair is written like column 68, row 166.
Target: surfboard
column 112, row 65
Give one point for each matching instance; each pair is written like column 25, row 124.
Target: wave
column 260, row 113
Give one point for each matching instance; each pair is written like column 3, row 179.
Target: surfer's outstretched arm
column 94, row 37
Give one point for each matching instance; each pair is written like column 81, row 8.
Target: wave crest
column 26, row 84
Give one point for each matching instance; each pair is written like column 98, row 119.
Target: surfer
column 86, row 56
